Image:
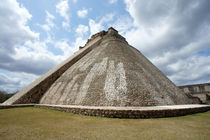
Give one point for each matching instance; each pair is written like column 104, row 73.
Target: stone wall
column 123, row 112
column 202, row 91
column 129, row 113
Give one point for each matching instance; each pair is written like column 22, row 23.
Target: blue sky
column 93, row 9
column 37, row 35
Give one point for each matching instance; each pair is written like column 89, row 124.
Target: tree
column 4, row 96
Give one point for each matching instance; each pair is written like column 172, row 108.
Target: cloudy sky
column 36, row 35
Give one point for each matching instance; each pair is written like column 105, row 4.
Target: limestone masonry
column 107, row 71
column 122, row 112
column 202, row 91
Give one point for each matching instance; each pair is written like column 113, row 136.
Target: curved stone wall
column 131, row 112
column 123, row 112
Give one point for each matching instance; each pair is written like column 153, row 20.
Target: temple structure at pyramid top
column 107, row 71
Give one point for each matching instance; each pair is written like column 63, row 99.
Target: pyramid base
column 123, row 112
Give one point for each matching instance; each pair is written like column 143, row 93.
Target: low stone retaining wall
column 123, row 112
column 131, row 112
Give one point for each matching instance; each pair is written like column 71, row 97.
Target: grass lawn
column 35, row 123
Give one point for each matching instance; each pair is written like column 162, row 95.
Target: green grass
column 35, row 123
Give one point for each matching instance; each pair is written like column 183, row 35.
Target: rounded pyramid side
column 114, row 74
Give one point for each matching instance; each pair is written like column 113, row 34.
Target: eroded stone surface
column 115, row 74
column 115, row 84
column 107, row 72
column 97, row 69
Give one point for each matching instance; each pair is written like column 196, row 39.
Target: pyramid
column 107, row 71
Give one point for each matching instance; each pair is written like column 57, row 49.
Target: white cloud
column 107, row 18
column 81, row 30
column 22, row 53
column 13, row 27
column 14, row 31
column 13, row 81
column 74, row 1
column 171, row 33
column 82, row 13
column 62, row 8
column 67, row 49
column 49, row 22
column 123, row 24
column 79, row 42
column 195, row 69
column 112, row 1
column 34, row 59
column 98, row 26
column 146, row 13
column 95, row 27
